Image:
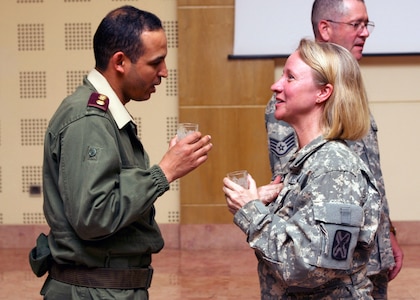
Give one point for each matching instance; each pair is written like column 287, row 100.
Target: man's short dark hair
column 120, row 30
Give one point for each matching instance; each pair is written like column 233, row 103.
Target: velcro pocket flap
column 339, row 213
column 339, row 228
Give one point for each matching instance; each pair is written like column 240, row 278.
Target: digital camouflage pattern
column 315, row 240
column 279, row 137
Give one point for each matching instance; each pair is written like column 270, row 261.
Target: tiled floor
column 194, row 275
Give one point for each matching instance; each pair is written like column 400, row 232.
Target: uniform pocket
column 40, row 257
column 339, row 226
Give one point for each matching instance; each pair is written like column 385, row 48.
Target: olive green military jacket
column 99, row 189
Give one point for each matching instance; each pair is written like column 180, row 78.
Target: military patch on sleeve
column 280, row 148
column 341, row 245
column 99, row 101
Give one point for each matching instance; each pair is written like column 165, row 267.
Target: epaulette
column 99, row 101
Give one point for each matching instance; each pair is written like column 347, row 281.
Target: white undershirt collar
column 117, row 109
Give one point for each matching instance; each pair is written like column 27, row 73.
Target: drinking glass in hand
column 240, row 177
column 185, row 129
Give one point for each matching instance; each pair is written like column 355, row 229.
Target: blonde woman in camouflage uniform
column 314, row 240
column 345, row 22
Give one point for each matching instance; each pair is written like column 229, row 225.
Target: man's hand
column 185, row 155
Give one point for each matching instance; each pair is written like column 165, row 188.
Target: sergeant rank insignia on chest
column 99, row 101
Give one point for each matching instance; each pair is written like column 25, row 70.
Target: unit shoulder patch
column 341, row 245
column 99, row 101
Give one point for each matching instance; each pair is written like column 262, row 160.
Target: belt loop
column 149, row 277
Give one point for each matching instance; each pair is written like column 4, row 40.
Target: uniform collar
column 299, row 158
column 117, row 109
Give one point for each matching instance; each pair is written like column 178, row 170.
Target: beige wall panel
column 227, row 98
column 205, row 214
column 206, row 76
column 205, row 2
column 398, row 125
column 239, row 142
column 392, row 79
column 47, row 46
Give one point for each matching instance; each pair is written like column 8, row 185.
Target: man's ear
column 324, row 28
column 324, row 93
column 118, row 61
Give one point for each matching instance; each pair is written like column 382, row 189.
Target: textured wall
column 46, row 49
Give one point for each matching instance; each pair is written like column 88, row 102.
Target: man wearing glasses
column 344, row 22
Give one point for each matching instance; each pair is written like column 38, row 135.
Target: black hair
column 121, row 30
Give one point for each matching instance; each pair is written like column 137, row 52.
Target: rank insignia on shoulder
column 99, row 101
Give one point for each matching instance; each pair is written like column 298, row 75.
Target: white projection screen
column 273, row 28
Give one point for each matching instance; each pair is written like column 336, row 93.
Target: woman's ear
column 324, row 93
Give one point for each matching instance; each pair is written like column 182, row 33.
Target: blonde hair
column 346, row 113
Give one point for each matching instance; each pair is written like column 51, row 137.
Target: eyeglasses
column 357, row 26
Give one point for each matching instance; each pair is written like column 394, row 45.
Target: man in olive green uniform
column 99, row 187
